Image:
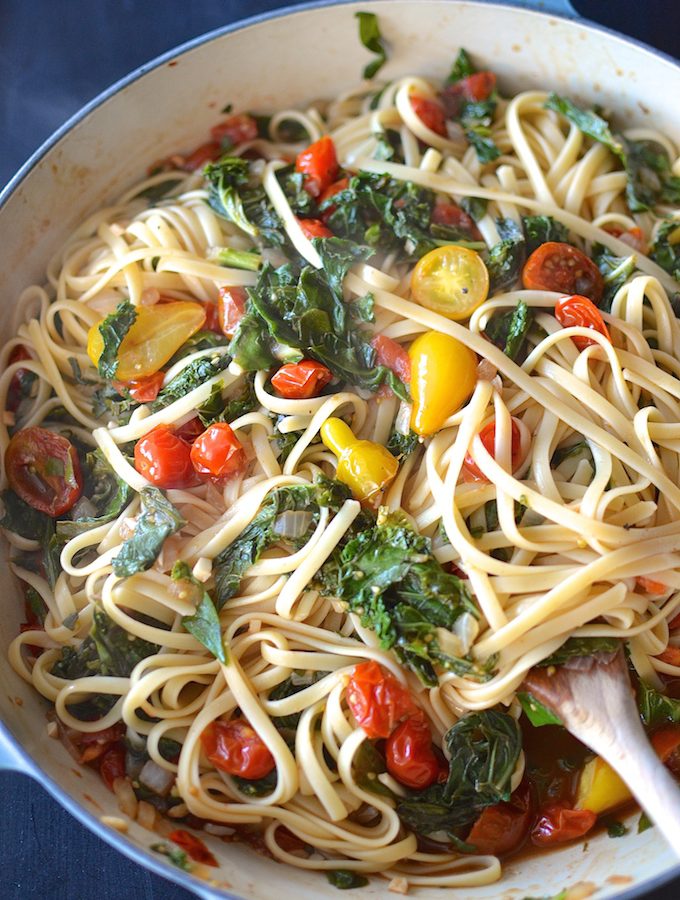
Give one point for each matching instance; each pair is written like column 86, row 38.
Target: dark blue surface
column 55, row 55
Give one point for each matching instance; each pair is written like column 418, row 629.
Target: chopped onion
column 486, row 371
column 149, row 297
column 218, row 830
column 467, row 629
column 127, row 802
column 402, row 421
column 146, row 815
column 156, row 778
column 84, row 507
column 292, row 523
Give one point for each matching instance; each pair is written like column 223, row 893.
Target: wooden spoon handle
column 594, row 700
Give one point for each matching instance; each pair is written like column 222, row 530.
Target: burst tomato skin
column 193, row 847
column 488, row 438
column 212, row 317
column 190, row 430
column 164, row 459
column 503, row 827
column 377, row 700
column 236, row 748
column 666, row 742
column 409, row 754
column 319, row 165
column 476, row 87
column 448, row 213
column 651, row 586
column 231, row 308
column 314, row 228
column 634, row 237
column 577, row 310
column 391, row 354
column 112, row 764
column 558, row 823
column 430, row 113
column 202, row 155
column 44, row 470
column 556, row 266
column 301, row 381
column 14, row 391
column 218, row 453
column 235, row 130
column 143, row 390
column 331, row 191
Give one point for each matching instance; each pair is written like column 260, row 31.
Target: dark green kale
column 295, row 683
column 462, row 67
column 616, row 270
column 218, row 409
column 541, row 229
column 202, row 340
column 655, row 707
column 232, row 563
column 484, row 748
column 573, row 451
column 176, row 856
column 193, row 375
column 476, row 116
column 204, row 624
column 506, row 258
column 388, row 575
column 367, row 764
column 113, row 330
column 509, row 330
column 666, row 248
column 372, row 39
column 157, row 521
column 616, row 829
column 108, row 650
column 402, row 445
column 575, row 647
column 108, row 494
column 114, row 404
column 536, row 712
column 36, row 526
column 345, row 879
column 258, row 787
column 226, row 178
column 236, row 259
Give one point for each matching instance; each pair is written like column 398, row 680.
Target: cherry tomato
column 503, row 828
column 392, row 355
column 488, row 437
column 212, row 317
column 190, row 430
column 143, row 390
column 231, row 308
column 236, row 748
column 674, row 622
column 450, row 280
column 670, row 655
column 633, row 237
column 235, row 130
column 331, row 191
column 95, row 744
column 319, row 164
column 193, row 847
column 314, row 228
column 650, row 586
column 431, row 113
column 300, row 381
column 164, row 459
column 409, row 754
column 558, row 823
column 666, row 742
column 15, row 392
column 377, row 700
column 555, row 266
column 112, row 764
column 218, row 453
column 577, row 310
column 447, row 213
column 202, row 155
column 476, row 87
column 44, row 470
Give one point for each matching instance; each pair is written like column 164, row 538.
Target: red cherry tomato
column 650, row 586
column 319, row 164
column 143, row 390
column 231, row 308
column 218, row 453
column 409, row 754
column 558, row 823
column 212, row 317
column 193, row 847
column 190, row 430
column 674, row 622
column 670, row 655
column 666, row 742
column 391, row 354
column 377, row 700
column 555, row 266
column 488, row 438
column 430, row 113
column 236, row 748
column 44, row 470
column 633, row 237
column 503, row 828
column 112, row 764
column 15, row 393
column 331, row 191
column 164, row 459
column 235, row 130
column 478, row 86
column 202, row 155
column 445, row 213
column 300, row 381
column 577, row 310
column 314, row 228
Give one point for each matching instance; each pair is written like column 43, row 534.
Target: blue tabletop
column 55, row 55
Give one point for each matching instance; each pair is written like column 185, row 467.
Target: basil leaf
column 157, row 521
column 113, row 330
column 371, row 38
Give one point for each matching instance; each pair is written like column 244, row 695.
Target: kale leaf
column 372, row 39
column 295, row 683
column 113, row 330
column 225, row 177
column 655, row 707
column 217, row 409
column 536, row 712
column 476, row 116
column 484, row 748
column 192, row 376
column 201, row 340
column 616, row 270
column 345, row 879
column 505, row 259
column 462, row 67
column 108, row 494
column 402, row 445
column 666, row 247
column 541, row 229
column 157, row 521
column 204, row 624
column 575, row 647
column 509, row 330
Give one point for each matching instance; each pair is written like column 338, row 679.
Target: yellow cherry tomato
column 365, row 467
column 154, row 337
column 443, row 375
column 450, row 280
column 600, row 788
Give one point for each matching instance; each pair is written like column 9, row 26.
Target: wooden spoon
column 593, row 698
